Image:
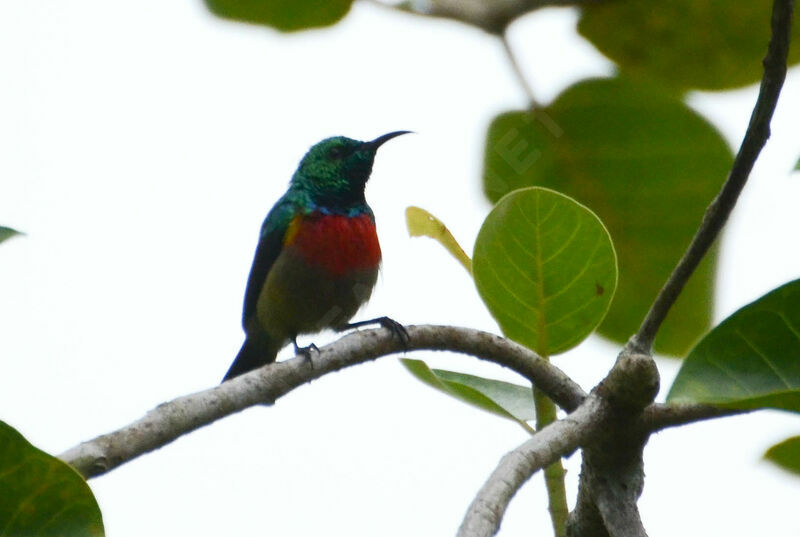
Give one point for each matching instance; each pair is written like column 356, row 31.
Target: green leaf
column 647, row 165
column 797, row 166
column 421, row 223
column 786, row 454
column 6, row 233
column 503, row 399
column 284, row 15
column 751, row 360
column 41, row 495
column 685, row 44
column 546, row 269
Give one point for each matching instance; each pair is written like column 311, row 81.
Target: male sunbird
column 318, row 255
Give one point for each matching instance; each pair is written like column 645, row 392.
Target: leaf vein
column 566, row 243
column 583, row 271
column 764, row 358
column 731, row 376
column 510, row 291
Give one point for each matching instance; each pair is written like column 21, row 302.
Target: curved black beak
column 380, row 140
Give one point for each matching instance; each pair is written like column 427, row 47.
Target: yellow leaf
column 421, row 223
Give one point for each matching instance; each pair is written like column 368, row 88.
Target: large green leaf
column 6, row 233
column 751, row 360
column 545, row 267
column 685, row 44
column 786, row 454
column 284, row 15
column 40, row 495
column 647, row 165
column 503, row 399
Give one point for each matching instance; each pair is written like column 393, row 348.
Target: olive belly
column 298, row 297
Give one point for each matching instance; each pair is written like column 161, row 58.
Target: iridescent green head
column 336, row 169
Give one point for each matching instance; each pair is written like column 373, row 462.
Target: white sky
column 143, row 144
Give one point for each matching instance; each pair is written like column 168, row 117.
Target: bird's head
column 336, row 169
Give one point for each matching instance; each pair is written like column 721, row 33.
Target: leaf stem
column 528, row 429
column 554, row 474
column 533, row 104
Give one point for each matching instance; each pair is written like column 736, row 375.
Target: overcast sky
column 143, row 143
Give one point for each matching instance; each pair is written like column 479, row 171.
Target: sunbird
column 318, row 254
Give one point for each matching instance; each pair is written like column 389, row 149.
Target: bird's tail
column 255, row 352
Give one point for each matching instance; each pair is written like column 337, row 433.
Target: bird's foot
column 398, row 330
column 306, row 351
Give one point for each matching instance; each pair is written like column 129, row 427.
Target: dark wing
column 269, row 246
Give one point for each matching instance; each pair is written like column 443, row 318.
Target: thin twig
column 520, row 76
column 170, row 420
column 718, row 211
column 491, row 17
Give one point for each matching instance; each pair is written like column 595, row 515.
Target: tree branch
column 603, row 418
column 170, row 420
column 558, row 439
column 657, row 417
column 720, row 208
column 616, row 505
column 612, row 472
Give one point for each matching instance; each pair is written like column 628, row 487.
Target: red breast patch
column 336, row 243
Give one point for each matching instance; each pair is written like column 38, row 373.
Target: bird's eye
column 336, row 152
